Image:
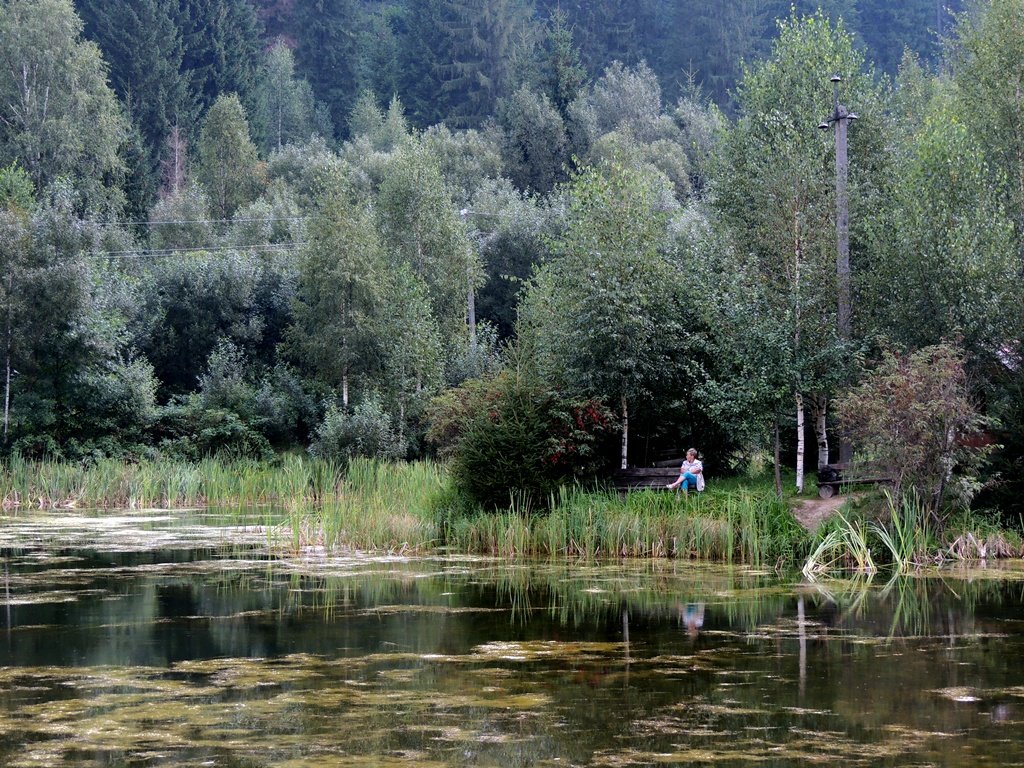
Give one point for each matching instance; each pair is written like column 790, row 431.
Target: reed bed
column 115, row 484
column 742, row 527
column 378, row 506
column 410, row 507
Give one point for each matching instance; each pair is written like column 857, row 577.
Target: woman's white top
column 695, row 468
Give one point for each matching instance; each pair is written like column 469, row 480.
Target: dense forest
column 354, row 227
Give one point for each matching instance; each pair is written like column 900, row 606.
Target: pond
column 173, row 639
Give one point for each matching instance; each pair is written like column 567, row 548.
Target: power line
column 156, row 223
column 164, row 252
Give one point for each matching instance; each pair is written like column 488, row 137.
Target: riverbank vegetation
column 596, row 261
column 309, row 505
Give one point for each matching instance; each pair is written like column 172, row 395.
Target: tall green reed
column 908, row 536
column 113, row 483
column 745, row 527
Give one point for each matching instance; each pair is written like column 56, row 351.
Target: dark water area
column 152, row 640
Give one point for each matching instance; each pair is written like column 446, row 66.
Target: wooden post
column 841, row 118
column 845, row 311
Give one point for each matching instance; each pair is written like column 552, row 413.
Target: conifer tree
column 326, row 52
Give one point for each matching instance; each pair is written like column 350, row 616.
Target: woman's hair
column 693, row 451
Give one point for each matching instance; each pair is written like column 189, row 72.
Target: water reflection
column 197, row 654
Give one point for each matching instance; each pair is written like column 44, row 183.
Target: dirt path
column 810, row 512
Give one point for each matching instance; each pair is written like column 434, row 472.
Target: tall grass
column 379, row 506
column 903, row 539
column 112, row 483
column 842, row 545
column 908, row 536
column 745, row 527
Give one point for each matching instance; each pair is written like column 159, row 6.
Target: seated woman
column 691, row 473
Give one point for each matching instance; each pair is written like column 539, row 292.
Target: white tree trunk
column 799, row 443
column 471, row 309
column 344, row 389
column 625, row 433
column 7, row 394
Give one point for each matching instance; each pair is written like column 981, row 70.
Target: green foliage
column 143, row 46
column 943, row 246
column 222, row 43
column 563, row 75
column 189, row 303
column 1003, row 490
column 468, row 159
column 228, row 167
column 326, row 53
column 913, row 419
column 71, row 375
column 367, row 431
column 339, row 297
column 535, row 145
column 59, row 117
column 182, row 220
column 384, row 130
column 17, row 194
column 285, row 109
column 987, row 56
column 188, row 429
column 509, row 229
column 421, row 228
column 608, row 315
column 514, row 440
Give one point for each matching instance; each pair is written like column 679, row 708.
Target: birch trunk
column 799, row 443
column 7, row 394
column 625, row 433
column 798, row 255
column 471, row 314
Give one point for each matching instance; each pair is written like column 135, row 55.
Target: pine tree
column 222, row 48
column 326, row 52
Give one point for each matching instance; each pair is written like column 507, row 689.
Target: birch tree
column 604, row 310
column 58, row 117
column 339, row 296
column 775, row 188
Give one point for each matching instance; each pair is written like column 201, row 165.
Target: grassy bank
column 413, row 508
column 744, row 525
column 408, row 507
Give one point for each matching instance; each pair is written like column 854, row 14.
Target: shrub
column 518, row 440
column 368, row 430
column 189, row 429
column 913, row 417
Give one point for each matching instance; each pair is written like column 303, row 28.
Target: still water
column 152, row 640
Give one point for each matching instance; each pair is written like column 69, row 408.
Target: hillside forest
column 353, row 227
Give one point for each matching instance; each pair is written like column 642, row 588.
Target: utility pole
column 841, row 118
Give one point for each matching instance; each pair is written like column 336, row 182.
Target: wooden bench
column 638, row 478
column 833, row 477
